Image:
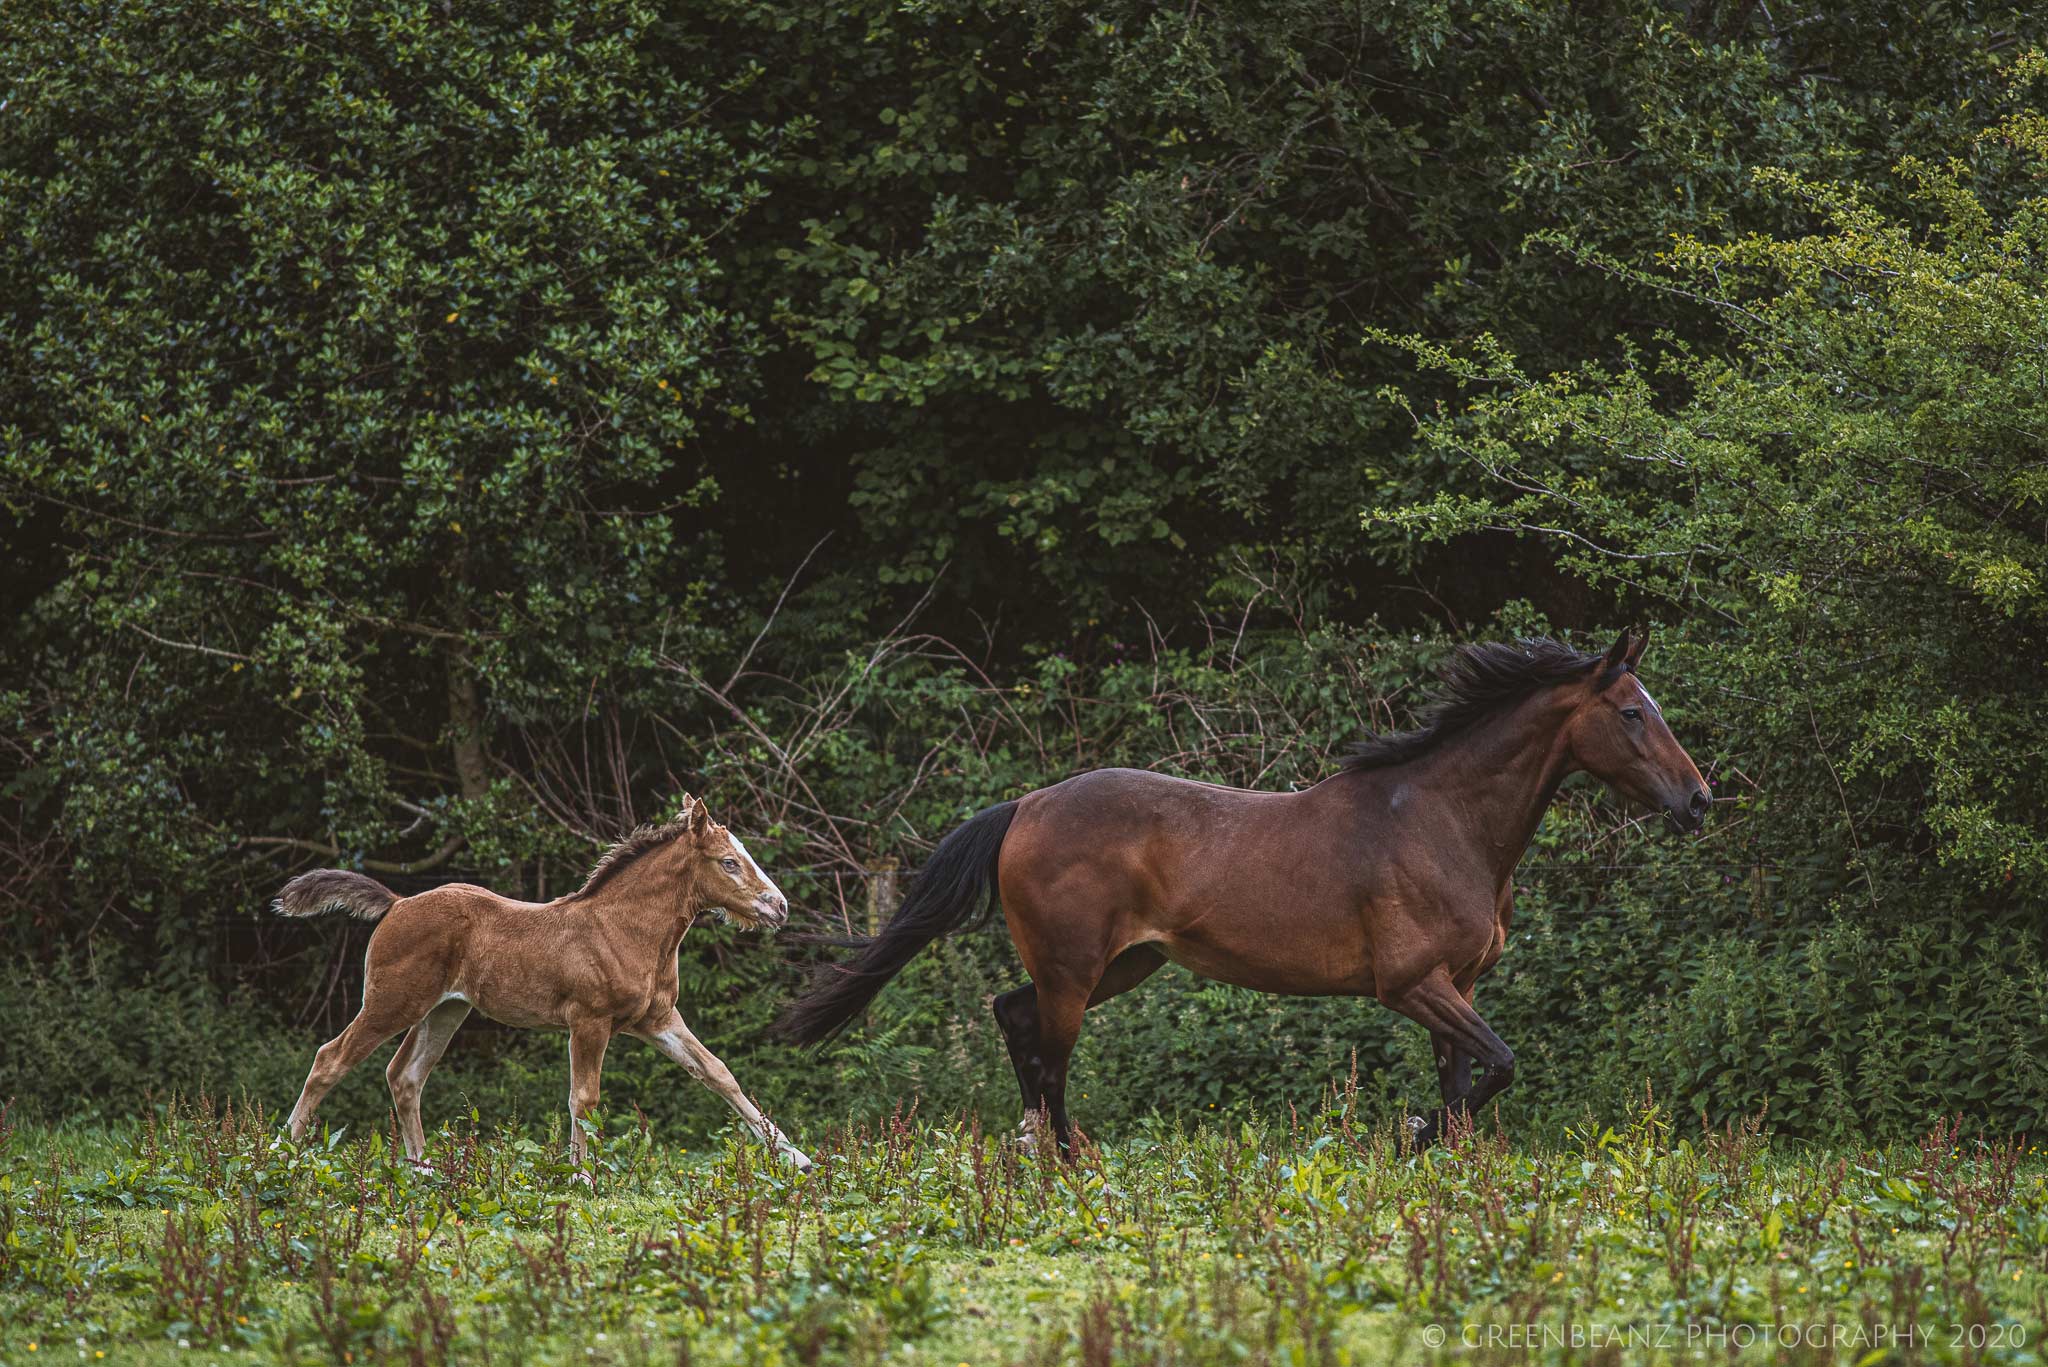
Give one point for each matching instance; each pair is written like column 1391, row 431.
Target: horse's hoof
column 1420, row 1131
column 798, row 1159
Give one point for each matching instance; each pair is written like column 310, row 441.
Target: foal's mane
column 630, row 847
column 1480, row 680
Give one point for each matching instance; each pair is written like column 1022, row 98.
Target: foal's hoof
column 798, row 1159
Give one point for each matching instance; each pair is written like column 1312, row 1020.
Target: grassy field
column 202, row 1237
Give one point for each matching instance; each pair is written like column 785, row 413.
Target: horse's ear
column 1620, row 655
column 695, row 818
column 1635, row 651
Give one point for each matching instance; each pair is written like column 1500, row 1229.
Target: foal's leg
column 587, row 1041
column 673, row 1038
column 1437, row 1005
column 378, row 1021
column 416, row 1058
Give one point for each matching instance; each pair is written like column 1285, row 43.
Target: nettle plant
column 1847, row 507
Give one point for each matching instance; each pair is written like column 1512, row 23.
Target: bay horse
column 1391, row 879
column 598, row 963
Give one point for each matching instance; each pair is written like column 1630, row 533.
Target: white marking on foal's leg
column 436, row 1029
column 685, row 1048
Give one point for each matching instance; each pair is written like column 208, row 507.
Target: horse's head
column 727, row 878
column 1618, row 735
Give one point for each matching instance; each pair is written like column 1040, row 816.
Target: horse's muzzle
column 1692, row 815
column 769, row 912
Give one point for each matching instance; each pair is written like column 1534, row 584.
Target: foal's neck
column 641, row 900
column 1506, row 769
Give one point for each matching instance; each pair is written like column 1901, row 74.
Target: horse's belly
column 1298, row 969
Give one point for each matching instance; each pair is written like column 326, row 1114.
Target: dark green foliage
column 433, row 436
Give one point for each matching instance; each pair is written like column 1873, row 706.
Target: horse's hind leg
column 1016, row 1012
column 1126, row 971
column 1060, row 1009
column 1019, row 1015
column 416, row 1057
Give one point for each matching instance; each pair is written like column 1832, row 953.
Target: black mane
column 629, row 848
column 1479, row 680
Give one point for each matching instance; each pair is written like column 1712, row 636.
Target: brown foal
column 597, row 963
column 1392, row 879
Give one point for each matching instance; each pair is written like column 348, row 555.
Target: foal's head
column 1618, row 735
column 726, row 877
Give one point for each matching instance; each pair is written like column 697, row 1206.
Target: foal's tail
column 325, row 890
column 956, row 888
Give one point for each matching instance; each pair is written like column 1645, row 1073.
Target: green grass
column 202, row 1237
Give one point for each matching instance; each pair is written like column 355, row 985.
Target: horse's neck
column 1504, row 772
column 639, row 906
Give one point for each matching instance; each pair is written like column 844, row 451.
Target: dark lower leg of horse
column 1440, row 1008
column 1454, row 1081
column 1059, row 1026
column 1016, row 1013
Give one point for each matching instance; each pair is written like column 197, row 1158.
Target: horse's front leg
column 1461, row 1038
column 587, row 1041
column 673, row 1038
column 1454, row 1082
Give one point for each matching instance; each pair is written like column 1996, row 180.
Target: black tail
column 956, row 888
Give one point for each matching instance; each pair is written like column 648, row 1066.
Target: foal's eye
column 1631, row 714
column 729, row 864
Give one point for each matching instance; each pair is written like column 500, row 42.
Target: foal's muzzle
column 770, row 910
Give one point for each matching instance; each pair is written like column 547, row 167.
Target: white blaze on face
column 738, row 845
column 1647, row 698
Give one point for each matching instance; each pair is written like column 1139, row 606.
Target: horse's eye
column 1631, row 714
column 729, row 864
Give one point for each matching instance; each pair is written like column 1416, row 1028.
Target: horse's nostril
column 1700, row 802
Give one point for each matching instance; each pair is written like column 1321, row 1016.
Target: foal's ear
column 693, row 814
